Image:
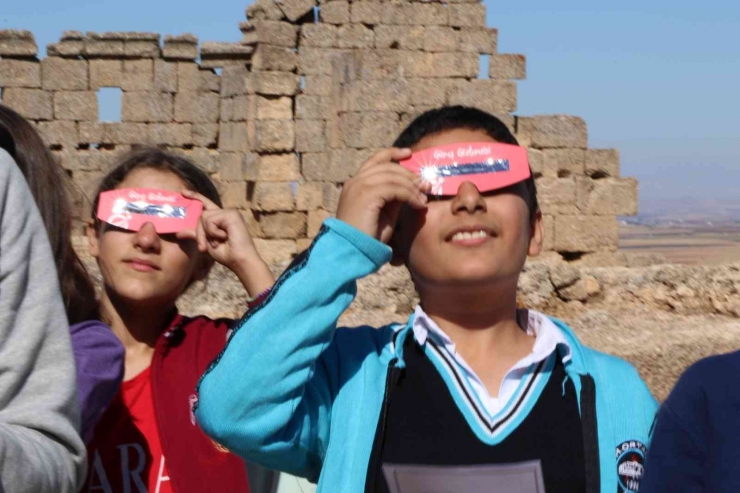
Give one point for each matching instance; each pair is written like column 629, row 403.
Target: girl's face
column 143, row 267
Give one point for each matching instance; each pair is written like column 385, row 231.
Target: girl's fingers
column 186, row 234
column 215, row 227
column 208, row 204
column 201, row 236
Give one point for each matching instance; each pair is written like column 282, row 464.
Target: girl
column 98, row 353
column 147, row 439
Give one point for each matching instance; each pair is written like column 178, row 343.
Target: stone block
column 205, row 134
column 234, row 195
column 318, row 61
column 234, row 81
column 113, row 133
column 585, row 233
column 61, row 74
column 312, row 107
column 503, row 67
column 557, row 195
column 427, row 91
column 557, row 131
column 563, row 162
column 232, row 167
column 215, row 54
column 244, row 108
column 20, row 73
column 295, row 9
column 608, row 197
column 138, row 75
column 76, row 105
column 147, row 107
column 363, row 130
column 441, row 64
column 335, row 12
column 601, row 163
column 184, row 47
column 316, row 219
column 319, row 36
column 336, row 165
column 274, row 135
column 366, row 12
column 280, row 108
column 265, row 9
column 274, row 32
column 165, row 76
column 274, row 58
column 355, row 36
column 536, row 161
column 197, row 107
column 317, row 195
column 310, row 135
column 281, row 225
column 170, row 134
column 489, row 95
column 400, row 37
column 275, row 251
column 274, row 83
column 376, row 95
column 105, row 73
column 483, row 40
column 233, row 137
column 108, row 45
column 141, row 48
column 273, row 196
column 278, row 167
column 467, row 15
column 318, row 85
column 17, row 44
column 420, row 14
column 440, row 39
column 59, row 133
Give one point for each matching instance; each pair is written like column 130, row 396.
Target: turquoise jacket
column 293, row 393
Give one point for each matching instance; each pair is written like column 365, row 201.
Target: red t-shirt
column 125, row 454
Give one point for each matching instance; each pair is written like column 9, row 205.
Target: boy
column 469, row 380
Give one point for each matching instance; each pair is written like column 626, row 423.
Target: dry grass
column 685, row 245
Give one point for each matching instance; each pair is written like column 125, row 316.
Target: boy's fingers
column 391, row 188
column 384, row 156
column 390, row 168
column 208, row 204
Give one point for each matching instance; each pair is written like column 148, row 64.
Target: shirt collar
column 547, row 335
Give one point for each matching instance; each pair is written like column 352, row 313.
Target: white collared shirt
column 547, row 337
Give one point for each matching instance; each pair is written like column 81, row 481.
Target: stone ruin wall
column 282, row 118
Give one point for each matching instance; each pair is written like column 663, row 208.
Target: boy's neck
column 483, row 325
column 138, row 329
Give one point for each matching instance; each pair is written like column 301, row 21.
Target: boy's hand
column 223, row 234
column 372, row 199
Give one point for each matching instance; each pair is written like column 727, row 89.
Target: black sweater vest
column 422, row 425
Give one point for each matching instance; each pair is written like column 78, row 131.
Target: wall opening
column 484, row 62
column 109, row 104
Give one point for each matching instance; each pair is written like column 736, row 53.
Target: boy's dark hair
column 49, row 186
column 449, row 118
column 154, row 158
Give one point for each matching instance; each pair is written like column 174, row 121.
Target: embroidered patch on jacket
column 630, row 465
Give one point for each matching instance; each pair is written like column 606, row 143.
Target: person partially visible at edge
column 469, row 379
column 98, row 352
column 148, row 439
column 40, row 447
column 696, row 441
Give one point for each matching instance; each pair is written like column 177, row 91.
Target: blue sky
column 657, row 79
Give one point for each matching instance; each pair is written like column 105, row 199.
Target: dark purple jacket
column 99, row 357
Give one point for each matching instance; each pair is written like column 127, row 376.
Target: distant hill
column 687, row 211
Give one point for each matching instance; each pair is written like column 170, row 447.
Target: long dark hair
column 50, row 188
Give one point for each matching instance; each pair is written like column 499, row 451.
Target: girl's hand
column 372, row 199
column 223, row 234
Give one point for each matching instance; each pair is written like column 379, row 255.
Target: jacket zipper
column 590, row 428
column 392, row 376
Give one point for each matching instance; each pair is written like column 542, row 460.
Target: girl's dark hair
column 153, row 158
column 449, row 118
column 49, row 185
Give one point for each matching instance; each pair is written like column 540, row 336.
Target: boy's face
column 471, row 238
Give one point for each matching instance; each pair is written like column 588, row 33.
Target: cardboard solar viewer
column 132, row 208
column 488, row 165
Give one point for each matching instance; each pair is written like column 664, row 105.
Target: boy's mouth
column 470, row 236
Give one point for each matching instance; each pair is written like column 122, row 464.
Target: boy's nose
column 147, row 237
column 468, row 199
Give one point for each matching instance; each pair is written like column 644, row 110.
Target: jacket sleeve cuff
column 378, row 252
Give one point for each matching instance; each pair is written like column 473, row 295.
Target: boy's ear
column 537, row 235
column 203, row 267
column 93, row 238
